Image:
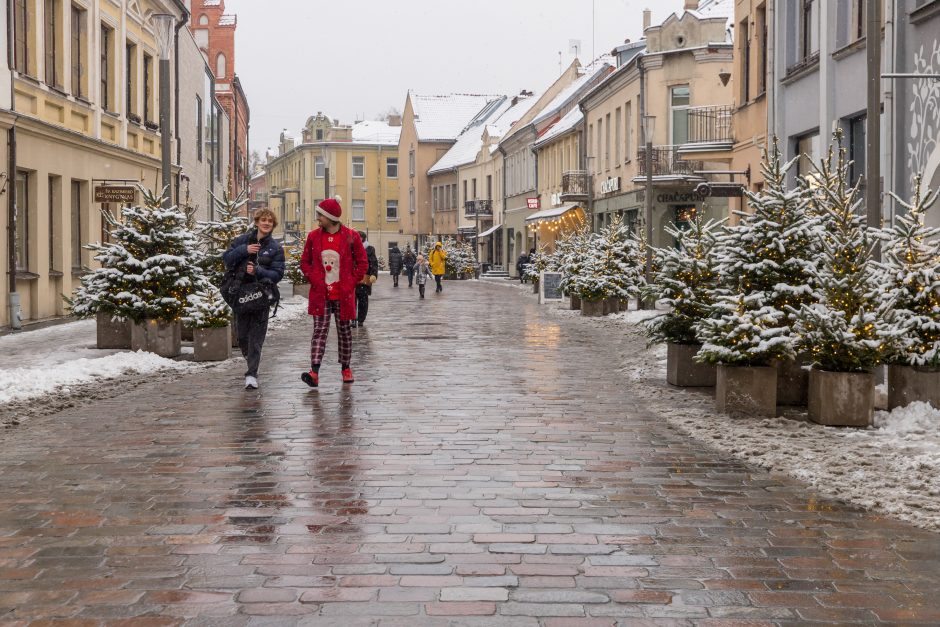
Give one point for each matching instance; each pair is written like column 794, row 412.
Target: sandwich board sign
column 550, row 287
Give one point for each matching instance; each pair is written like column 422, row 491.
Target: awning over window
column 551, row 214
column 491, row 230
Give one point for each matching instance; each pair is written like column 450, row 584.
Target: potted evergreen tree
column 293, row 273
column 772, row 253
column 684, row 282
column 910, row 279
column 209, row 316
column 608, row 272
column 847, row 330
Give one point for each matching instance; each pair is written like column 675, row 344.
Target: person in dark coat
column 394, row 264
column 520, row 266
column 263, row 259
column 409, row 260
column 364, row 289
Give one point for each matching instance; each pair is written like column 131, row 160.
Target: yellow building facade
column 362, row 163
column 83, row 112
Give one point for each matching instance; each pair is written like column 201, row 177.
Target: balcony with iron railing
column 482, row 207
column 710, row 130
column 575, row 185
column 667, row 166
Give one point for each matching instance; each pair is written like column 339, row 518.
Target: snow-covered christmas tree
column 539, row 261
column 766, row 264
column 216, row 235
column 206, row 309
column 684, row 282
column 910, row 280
column 847, row 329
column 570, row 254
column 148, row 270
column 610, row 268
column 292, row 271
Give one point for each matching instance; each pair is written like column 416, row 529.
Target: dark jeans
column 411, row 275
column 421, row 290
column 395, row 279
column 437, row 279
column 362, row 306
column 251, row 329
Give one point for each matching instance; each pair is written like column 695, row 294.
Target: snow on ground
column 892, row 467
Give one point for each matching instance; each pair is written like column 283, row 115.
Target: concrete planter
column 842, row 399
column 575, row 301
column 683, row 371
column 212, row 344
column 157, row 336
column 592, row 308
column 535, row 287
column 186, row 333
column 907, row 384
column 112, row 334
column 746, row 389
column 792, row 382
column 301, row 289
column 611, row 305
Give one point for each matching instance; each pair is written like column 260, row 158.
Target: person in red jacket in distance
column 334, row 262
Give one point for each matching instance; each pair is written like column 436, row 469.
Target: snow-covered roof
column 709, row 9
column 227, row 20
column 562, row 126
column 577, row 86
column 443, row 117
column 375, row 132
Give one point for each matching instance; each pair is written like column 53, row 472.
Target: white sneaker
column 251, row 383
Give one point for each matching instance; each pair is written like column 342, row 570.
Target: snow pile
column 917, row 419
column 25, row 383
column 290, row 309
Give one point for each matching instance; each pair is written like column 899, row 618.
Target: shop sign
column 114, row 193
column 556, row 200
column 550, row 287
column 667, row 198
column 611, row 185
column 533, row 203
column 720, row 190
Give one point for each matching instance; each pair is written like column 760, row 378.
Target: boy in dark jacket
column 409, row 260
column 394, row 264
column 262, row 258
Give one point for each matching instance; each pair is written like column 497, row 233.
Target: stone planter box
column 907, row 384
column 575, row 301
column 301, row 289
column 186, row 333
column 592, row 308
column 746, row 389
column 112, row 334
column 535, row 287
column 157, row 336
column 792, row 382
column 683, row 371
column 842, row 399
column 212, row 344
column 611, row 305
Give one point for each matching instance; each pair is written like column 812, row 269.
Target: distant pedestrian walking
column 334, row 262
column 409, row 261
column 421, row 271
column 258, row 257
column 364, row 289
column 437, row 260
column 394, row 264
column 521, row 263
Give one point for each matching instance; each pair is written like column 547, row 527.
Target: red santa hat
column 331, row 209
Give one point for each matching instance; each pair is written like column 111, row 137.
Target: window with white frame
column 391, row 167
column 617, row 132
column 411, row 200
column 359, row 210
column 358, row 167
column 391, row 210
column 318, row 167
column 809, row 29
column 679, row 118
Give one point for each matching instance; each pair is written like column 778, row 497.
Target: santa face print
column 331, row 266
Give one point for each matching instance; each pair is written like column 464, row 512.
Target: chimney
column 647, row 16
column 394, row 120
column 691, row 5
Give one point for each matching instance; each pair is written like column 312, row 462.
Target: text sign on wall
column 110, row 193
column 611, row 185
column 533, row 203
column 550, row 286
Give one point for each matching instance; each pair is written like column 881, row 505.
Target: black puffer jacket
column 394, row 261
column 269, row 259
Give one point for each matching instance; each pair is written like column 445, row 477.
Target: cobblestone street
column 488, row 467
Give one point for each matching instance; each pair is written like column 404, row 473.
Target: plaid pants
column 321, row 329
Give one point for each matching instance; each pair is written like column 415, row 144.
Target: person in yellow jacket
column 436, row 261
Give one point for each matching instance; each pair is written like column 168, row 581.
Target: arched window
column 203, row 20
column 220, row 66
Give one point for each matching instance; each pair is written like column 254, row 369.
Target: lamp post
column 163, row 24
column 649, row 127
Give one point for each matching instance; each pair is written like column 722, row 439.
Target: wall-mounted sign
column 677, row 197
column 556, row 200
column 114, row 193
column 720, row 190
column 611, row 185
column 533, row 203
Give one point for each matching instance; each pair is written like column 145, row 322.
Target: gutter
column 11, row 174
column 176, row 95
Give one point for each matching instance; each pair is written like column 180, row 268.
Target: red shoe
column 311, row 378
column 348, row 375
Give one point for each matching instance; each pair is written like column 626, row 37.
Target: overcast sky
column 355, row 59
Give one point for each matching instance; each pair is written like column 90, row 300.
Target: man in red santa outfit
column 334, row 262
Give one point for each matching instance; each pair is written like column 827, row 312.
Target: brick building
column 214, row 31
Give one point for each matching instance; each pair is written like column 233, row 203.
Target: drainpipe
column 176, row 97
column 13, row 299
column 890, row 174
column 505, row 234
column 770, row 88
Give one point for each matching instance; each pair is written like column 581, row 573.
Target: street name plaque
column 114, row 193
column 550, row 286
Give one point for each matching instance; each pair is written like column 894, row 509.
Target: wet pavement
column 488, row 467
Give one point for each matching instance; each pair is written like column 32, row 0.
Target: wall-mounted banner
column 113, row 193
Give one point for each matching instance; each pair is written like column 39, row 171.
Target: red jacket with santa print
column 353, row 264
